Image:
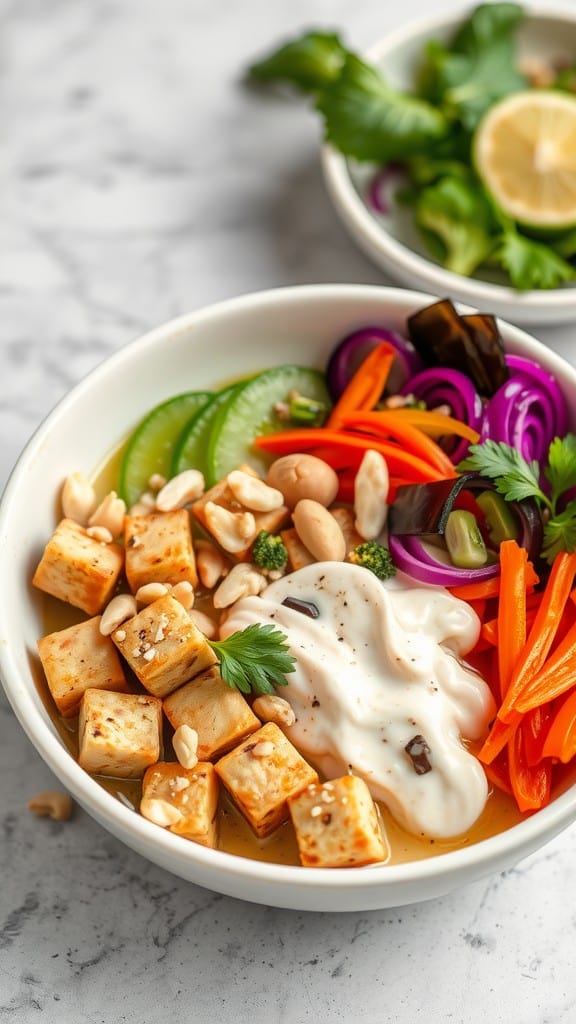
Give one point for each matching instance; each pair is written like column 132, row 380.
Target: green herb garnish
column 516, row 479
column 255, row 659
column 429, row 130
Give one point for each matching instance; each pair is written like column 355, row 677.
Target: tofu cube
column 159, row 549
column 163, row 646
column 119, row 733
column 345, row 519
column 221, row 494
column 337, row 826
column 78, row 658
column 183, row 800
column 220, row 715
column 78, row 569
column 261, row 774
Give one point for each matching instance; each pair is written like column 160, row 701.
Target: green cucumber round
column 150, row 448
column 192, row 446
column 249, row 411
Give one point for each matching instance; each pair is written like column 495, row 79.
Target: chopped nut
column 254, row 493
column 204, row 623
column 243, row 580
column 150, row 592
column 78, row 498
column 180, row 490
column 184, row 593
column 211, row 563
column 371, row 488
column 262, row 749
column 100, row 533
column 160, row 812
column 119, row 610
column 232, row 530
column 110, row 515
column 52, row 804
column 185, row 743
column 156, row 482
column 271, row 708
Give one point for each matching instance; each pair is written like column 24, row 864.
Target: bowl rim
column 388, row 251
column 118, row 818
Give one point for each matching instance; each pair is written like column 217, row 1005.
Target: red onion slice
column 441, row 385
column 351, row 352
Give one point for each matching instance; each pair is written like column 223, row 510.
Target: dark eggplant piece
column 471, row 344
column 422, row 510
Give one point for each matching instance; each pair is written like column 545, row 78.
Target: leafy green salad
column 429, row 134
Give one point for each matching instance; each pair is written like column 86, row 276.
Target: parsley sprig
column 516, row 479
column 255, row 659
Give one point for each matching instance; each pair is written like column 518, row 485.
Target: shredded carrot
column 511, row 609
column 541, row 636
column 498, row 737
column 389, row 426
column 491, row 587
column 557, row 675
column 365, row 388
column 435, row 424
column 530, row 783
column 345, row 450
column 560, row 742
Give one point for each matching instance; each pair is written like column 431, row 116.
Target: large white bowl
column 392, row 240
column 202, row 350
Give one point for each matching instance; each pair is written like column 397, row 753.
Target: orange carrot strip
column 498, row 738
column 491, row 587
column 365, row 388
column 511, row 609
column 436, row 424
column 541, row 636
column 560, row 742
column 498, row 772
column 489, row 632
column 388, row 425
column 557, row 675
column 345, row 449
column 530, row 784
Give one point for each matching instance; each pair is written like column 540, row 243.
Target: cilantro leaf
column 560, row 532
column 514, row 477
column 308, row 62
column 561, row 468
column 368, row 120
column 477, row 67
column 255, row 659
column 531, row 264
column 456, row 210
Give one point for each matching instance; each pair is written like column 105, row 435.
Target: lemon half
column 525, row 153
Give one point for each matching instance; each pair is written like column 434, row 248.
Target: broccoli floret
column 375, row 557
column 269, row 551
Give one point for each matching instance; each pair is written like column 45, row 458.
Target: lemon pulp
column 525, row 153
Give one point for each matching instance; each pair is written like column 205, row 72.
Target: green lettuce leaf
column 309, row 62
column 531, row 264
column 457, row 212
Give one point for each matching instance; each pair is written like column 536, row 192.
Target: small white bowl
column 204, row 349
column 392, row 240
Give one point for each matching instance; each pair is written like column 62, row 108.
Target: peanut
column 301, row 476
column 270, row 708
column 110, row 514
column 78, row 498
column 159, row 811
column 319, row 531
column 180, row 490
column 52, row 804
column 204, row 623
column 243, row 580
column 254, row 493
column 118, row 610
column 210, row 562
column 370, row 495
column 232, row 530
column 185, row 743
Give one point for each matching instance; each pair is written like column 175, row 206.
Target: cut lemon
column 525, row 153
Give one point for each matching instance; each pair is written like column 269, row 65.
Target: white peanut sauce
column 379, row 666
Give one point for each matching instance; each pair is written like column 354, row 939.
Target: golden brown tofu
column 220, row 715
column 163, row 646
column 261, row 774
column 159, row 549
column 345, row 519
column 78, row 658
column 78, row 569
column 222, row 495
column 119, row 734
column 337, row 825
column 183, row 800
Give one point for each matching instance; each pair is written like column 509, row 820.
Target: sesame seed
column 150, row 654
column 316, row 811
column 263, row 749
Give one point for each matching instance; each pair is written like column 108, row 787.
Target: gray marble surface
column 141, row 179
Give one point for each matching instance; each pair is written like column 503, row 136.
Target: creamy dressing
column 379, row 670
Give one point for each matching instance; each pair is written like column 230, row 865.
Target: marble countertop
column 142, row 179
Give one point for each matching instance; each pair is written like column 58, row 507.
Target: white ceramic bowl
column 392, row 240
column 202, row 350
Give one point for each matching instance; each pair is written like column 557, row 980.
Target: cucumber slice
column 151, row 446
column 249, row 411
column 192, row 446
